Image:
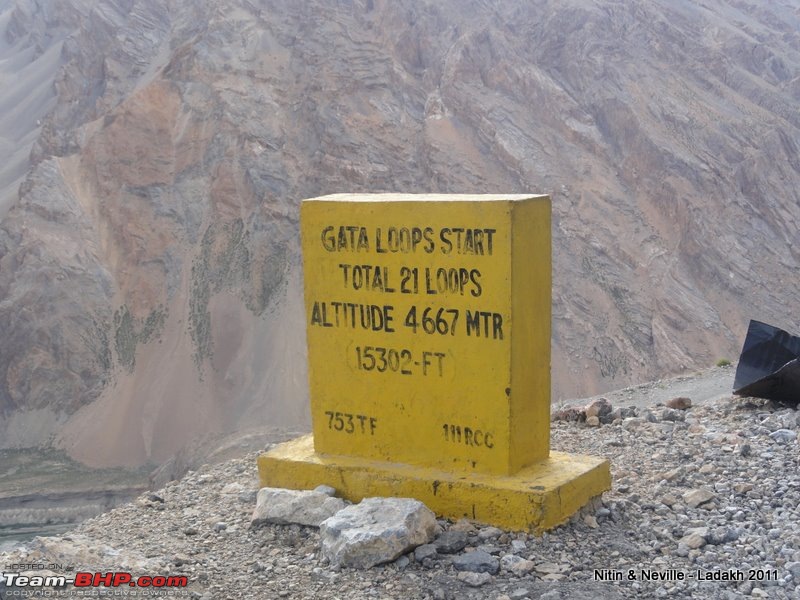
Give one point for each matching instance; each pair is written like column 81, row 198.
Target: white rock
column 233, row 488
column 303, row 507
column 489, row 533
column 693, row 541
column 695, row 498
column 376, row 531
column 784, row 436
column 523, row 567
column 509, row 560
column 325, row 489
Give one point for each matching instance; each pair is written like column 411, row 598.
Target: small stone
column 791, row 420
column 490, row 549
column 669, row 499
column 402, row 562
column 523, row 567
column 220, row 526
column 631, row 423
column 591, row 521
column 325, row 489
column 720, row 535
column 693, row 541
column 593, row 421
column 519, row 594
column 649, row 416
column 474, row 579
column 301, row 507
column 794, row 570
column 672, row 474
column 476, row 562
column 488, row 533
column 771, row 423
column 463, row 525
column 549, row 568
column 597, row 408
column 233, row 488
column 622, row 413
column 672, row 415
column 568, row 414
column 680, row 403
column 375, row 531
column 695, row 498
column 451, row 542
column 744, row 449
column 425, row 551
column 783, row 436
column 181, row 559
column 518, row 546
column 507, row 561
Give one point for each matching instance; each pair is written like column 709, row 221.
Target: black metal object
column 769, row 366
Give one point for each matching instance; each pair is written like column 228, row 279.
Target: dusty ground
column 702, row 387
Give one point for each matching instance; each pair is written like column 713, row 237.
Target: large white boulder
column 375, row 531
column 301, row 507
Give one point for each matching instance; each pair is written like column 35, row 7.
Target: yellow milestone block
column 428, row 324
column 428, row 329
column 535, row 499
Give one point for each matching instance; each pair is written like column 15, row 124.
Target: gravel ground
column 712, row 489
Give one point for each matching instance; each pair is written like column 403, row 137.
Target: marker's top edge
column 389, row 197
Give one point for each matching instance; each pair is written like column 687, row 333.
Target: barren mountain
column 149, row 264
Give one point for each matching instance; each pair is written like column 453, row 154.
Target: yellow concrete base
column 535, row 499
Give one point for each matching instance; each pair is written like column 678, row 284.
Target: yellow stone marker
column 428, row 327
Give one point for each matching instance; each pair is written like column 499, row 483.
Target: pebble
column 693, row 541
column 522, row 567
column 474, row 579
column 451, row 542
column 680, row 403
column 783, row 436
column 476, row 562
column 425, row 552
column 695, row 498
column 489, row 533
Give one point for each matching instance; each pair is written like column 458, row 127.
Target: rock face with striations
column 149, row 265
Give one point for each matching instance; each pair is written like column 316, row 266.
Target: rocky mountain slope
column 149, row 264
